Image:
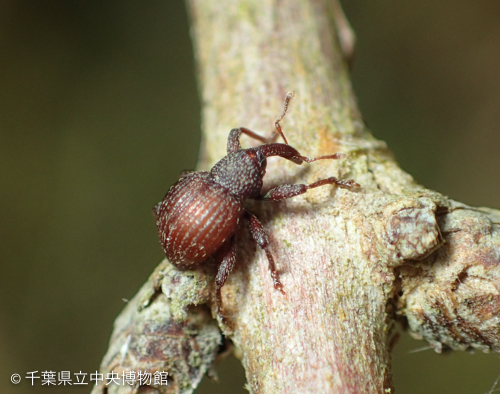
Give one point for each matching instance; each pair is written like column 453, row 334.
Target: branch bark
column 351, row 263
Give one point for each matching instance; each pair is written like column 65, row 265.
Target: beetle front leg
column 285, row 191
column 225, row 269
column 258, row 234
column 233, row 141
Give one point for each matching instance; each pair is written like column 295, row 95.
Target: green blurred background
column 99, row 113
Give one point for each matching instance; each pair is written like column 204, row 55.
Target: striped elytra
column 195, row 219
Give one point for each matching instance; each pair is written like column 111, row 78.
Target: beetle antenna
column 288, row 98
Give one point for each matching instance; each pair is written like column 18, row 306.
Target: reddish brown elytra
column 202, row 211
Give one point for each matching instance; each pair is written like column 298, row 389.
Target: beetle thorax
column 241, row 173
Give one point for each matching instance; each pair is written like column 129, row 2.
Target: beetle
column 200, row 214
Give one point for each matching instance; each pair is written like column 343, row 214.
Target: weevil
column 200, row 214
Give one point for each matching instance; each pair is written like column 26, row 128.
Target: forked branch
column 351, row 263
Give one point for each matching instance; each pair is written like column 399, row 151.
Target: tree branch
column 349, row 261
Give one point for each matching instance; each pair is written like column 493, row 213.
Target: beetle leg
column 225, row 269
column 185, row 173
column 285, row 191
column 156, row 210
column 258, row 234
column 233, row 141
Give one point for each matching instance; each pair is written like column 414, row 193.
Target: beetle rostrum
column 200, row 214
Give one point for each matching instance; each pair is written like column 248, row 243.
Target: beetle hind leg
column 225, row 268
